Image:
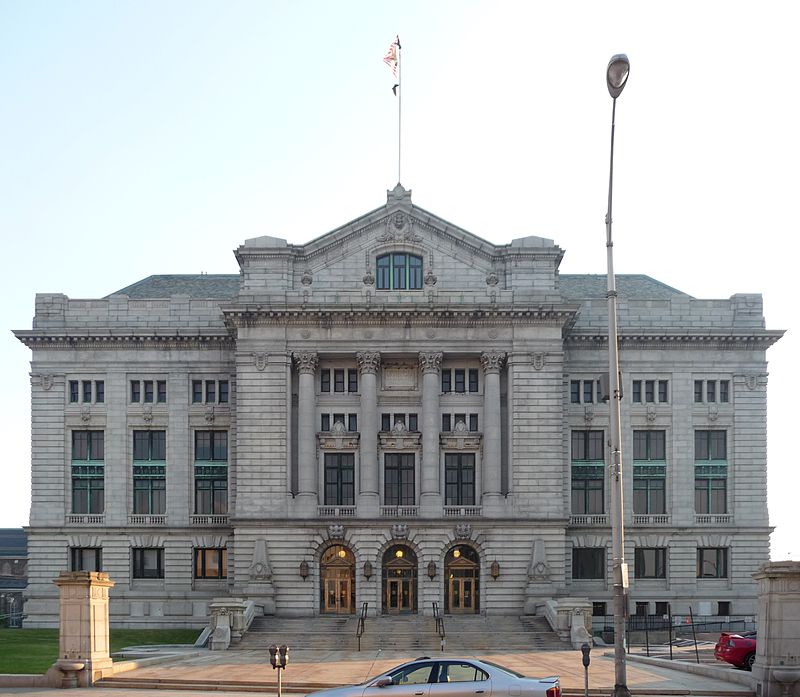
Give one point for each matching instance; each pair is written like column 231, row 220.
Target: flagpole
column 399, row 105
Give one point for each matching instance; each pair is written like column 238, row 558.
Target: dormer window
column 399, row 271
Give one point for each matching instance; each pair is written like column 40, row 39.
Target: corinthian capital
column 306, row 361
column 368, row 361
column 430, row 362
column 492, row 361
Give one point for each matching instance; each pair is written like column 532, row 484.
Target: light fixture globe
column 617, row 74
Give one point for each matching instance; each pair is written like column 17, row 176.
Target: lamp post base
column 621, row 691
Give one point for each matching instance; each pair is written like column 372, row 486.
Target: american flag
column 392, row 57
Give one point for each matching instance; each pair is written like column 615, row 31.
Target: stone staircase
column 408, row 634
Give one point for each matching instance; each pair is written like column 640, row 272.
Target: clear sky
column 151, row 137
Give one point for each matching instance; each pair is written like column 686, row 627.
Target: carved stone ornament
column 399, row 228
column 713, row 412
column 209, row 415
column 306, row 361
column 751, row 381
column 86, row 414
column 651, row 413
column 463, row 531
column 538, row 360
column 259, row 568
column 260, row 361
column 368, row 361
column 399, row 531
column 336, row 531
column 47, row 381
column 147, row 413
column 369, row 278
column 492, row 361
column 491, row 279
column 430, row 362
column 308, row 278
column 430, row 278
column 588, row 414
column 539, row 571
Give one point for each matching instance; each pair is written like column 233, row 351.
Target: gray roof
column 200, row 286
column 576, row 287
column 13, row 543
column 573, row 287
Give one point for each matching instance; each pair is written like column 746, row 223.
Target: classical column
column 307, row 469
column 492, row 363
column 369, row 495
column 430, row 498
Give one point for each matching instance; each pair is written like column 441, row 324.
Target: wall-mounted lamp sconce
column 431, row 569
column 494, row 569
column 304, row 569
column 367, row 570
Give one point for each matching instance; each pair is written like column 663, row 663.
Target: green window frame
column 88, row 472
column 399, row 271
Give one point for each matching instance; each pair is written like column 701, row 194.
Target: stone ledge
column 740, row 677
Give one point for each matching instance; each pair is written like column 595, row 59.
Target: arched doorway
column 462, row 581
column 337, row 581
column 399, row 580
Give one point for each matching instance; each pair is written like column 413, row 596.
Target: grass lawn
column 35, row 650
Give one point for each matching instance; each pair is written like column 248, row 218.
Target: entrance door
column 338, row 594
column 337, row 580
column 462, row 577
column 462, row 595
column 399, row 595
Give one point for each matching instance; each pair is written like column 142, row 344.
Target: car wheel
column 749, row 661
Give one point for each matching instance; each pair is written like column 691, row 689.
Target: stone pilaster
column 430, row 496
column 308, row 474
column 492, row 362
column 369, row 494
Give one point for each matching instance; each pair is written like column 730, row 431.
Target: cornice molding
column 760, row 340
column 39, row 339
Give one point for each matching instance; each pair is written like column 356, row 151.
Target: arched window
column 399, row 271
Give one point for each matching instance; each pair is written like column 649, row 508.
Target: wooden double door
column 337, row 581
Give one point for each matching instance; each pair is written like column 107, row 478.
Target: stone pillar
column 369, row 493
column 492, row 499
column 777, row 666
column 307, row 466
column 430, row 496
column 83, row 629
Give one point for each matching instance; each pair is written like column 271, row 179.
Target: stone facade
column 398, row 413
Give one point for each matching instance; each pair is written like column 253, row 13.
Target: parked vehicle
column 448, row 677
column 737, row 649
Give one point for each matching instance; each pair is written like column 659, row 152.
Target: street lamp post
column 616, row 77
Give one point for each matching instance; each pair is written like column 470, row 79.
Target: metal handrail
column 361, row 626
column 439, row 623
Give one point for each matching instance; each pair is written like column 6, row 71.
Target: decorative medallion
column 751, row 381
column 588, row 414
column 369, row 278
column 306, row 361
column 463, row 531
column 430, row 362
column 209, row 415
column 308, row 278
column 713, row 412
column 399, row 531
column 430, row 278
column 368, row 361
column 260, row 361
column 538, row 360
column 493, row 333
column 305, row 333
column 399, row 228
column 147, row 413
column 368, row 334
column 491, row 279
column 86, row 413
column 336, row 531
column 47, row 381
column 651, row 413
column 430, row 333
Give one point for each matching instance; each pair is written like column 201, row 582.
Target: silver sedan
column 449, row 677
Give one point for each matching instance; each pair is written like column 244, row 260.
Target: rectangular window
column 473, row 379
column 712, row 562
column 711, row 390
column 338, row 419
column 710, row 445
column 637, row 392
column 459, row 478
column 724, row 391
column 598, row 609
column 86, row 559
column 136, row 395
column 352, row 422
column 211, row 445
column 698, row 390
column 588, row 562
column 662, row 608
column 325, row 380
column 588, row 492
column 73, row 391
column 339, row 479
column 386, row 422
column 148, row 562
column 575, row 391
column 650, row 562
column 150, row 445
column 649, row 445
column 223, row 391
column 649, row 493
column 460, row 419
column 147, row 389
column 99, row 391
column 211, row 472
column 446, row 423
column 588, row 445
column 325, row 422
column 86, row 386
column 338, row 380
column 710, row 495
column 724, row 608
column 649, row 391
column 211, row 391
column 663, row 391
column 210, row 562
column 459, row 376
column 88, row 472
column 398, row 419
column 352, row 380
column 446, row 385
column 473, row 422
column 161, row 391
column 149, row 472
column 197, row 391
column 413, row 423
column 399, row 479
column 642, row 608
column 88, row 445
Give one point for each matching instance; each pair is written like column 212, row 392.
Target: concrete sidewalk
column 246, row 672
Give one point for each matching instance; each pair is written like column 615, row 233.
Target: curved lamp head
column 617, row 74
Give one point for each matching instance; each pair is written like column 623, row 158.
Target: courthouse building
column 400, row 413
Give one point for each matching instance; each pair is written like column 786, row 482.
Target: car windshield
column 504, row 669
